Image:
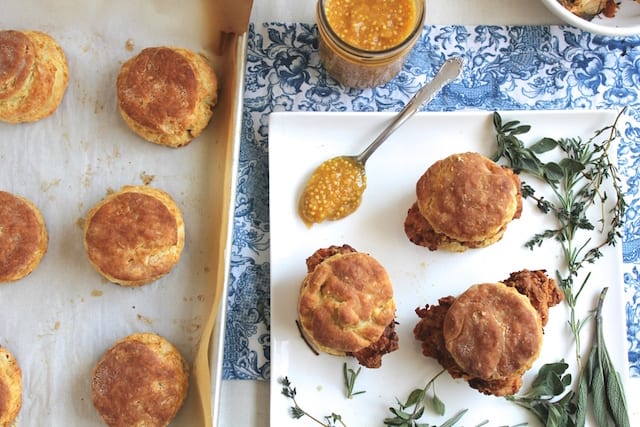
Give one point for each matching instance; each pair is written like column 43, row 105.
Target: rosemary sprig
column 408, row 413
column 297, row 412
column 577, row 184
column 350, row 377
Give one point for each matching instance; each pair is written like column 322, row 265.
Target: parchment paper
column 59, row 320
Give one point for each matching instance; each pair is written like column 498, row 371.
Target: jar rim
column 417, row 29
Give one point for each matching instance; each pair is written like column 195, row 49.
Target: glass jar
column 359, row 50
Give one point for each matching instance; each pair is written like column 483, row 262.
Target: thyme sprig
column 577, row 182
column 350, row 376
column 297, row 412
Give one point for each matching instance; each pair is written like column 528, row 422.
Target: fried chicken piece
column 541, row 290
column 371, row 356
column 420, row 232
column 321, row 254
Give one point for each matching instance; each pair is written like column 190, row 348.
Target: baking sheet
column 298, row 142
column 59, row 320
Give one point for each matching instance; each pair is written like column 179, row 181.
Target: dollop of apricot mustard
column 333, row 191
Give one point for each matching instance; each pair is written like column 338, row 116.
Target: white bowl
column 626, row 21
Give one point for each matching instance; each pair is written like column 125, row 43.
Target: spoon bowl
column 335, row 189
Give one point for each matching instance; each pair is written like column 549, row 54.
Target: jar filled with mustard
column 364, row 43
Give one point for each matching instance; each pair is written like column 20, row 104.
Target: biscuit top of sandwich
column 16, row 61
column 157, row 87
column 346, row 302
column 468, row 197
column 23, row 237
column 492, row 331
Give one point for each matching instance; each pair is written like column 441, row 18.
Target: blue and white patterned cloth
column 508, row 68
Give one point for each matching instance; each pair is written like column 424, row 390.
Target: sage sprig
column 408, row 414
column 550, row 398
column 602, row 382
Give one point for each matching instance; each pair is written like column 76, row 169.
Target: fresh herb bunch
column 297, row 412
column 577, row 182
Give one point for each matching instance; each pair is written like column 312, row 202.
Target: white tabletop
column 246, row 403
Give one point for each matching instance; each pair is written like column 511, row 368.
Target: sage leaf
column 415, row 397
column 437, row 405
column 599, row 396
column 544, row 145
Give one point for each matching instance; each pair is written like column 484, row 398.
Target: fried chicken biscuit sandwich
column 346, row 305
column 463, row 201
column 491, row 334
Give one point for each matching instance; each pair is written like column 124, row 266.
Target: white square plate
column 298, row 142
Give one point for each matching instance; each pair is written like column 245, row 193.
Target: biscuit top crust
column 141, row 380
column 132, row 235
column 21, row 235
column 156, row 87
column 492, row 331
column 346, row 302
column 16, row 62
column 468, row 197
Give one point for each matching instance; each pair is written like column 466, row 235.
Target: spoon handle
column 449, row 71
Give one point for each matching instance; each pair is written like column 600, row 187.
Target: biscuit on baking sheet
column 23, row 237
column 33, row 75
column 10, row 388
column 134, row 236
column 346, row 301
column 493, row 332
column 166, row 94
column 463, row 201
column 142, row 380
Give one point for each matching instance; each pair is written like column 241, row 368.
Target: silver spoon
column 335, row 188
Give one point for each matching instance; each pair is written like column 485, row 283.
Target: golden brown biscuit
column 141, row 381
column 493, row 332
column 33, row 78
column 23, row 237
column 166, row 94
column 346, row 303
column 463, row 201
column 10, row 388
column 134, row 236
